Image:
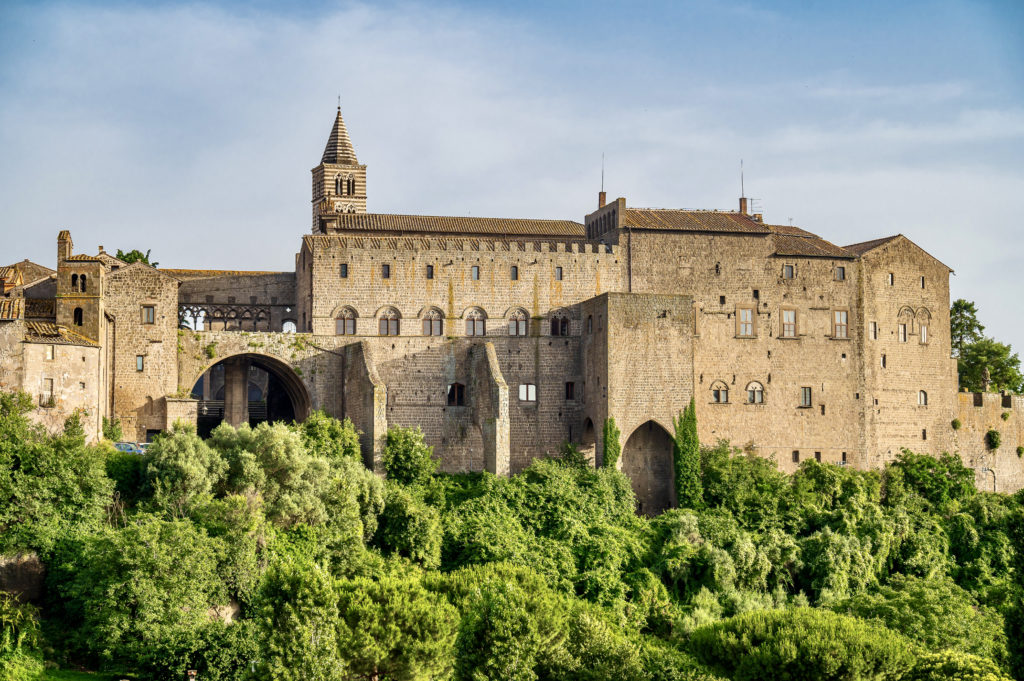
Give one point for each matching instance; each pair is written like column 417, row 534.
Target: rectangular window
column 558, row 273
column 344, row 270
column 892, row 279
column 148, row 314
column 570, row 391
column 388, row 327
column 924, row 333
column 788, row 271
column 514, row 273
column 385, row 271
column 456, row 395
column 789, row 323
column 527, row 392
column 430, row 271
column 805, row 397
column 843, row 460
column 517, row 327
column 840, row 328
column 873, row 331
column 796, row 456
column 476, row 272
column 46, row 396
column 345, row 326
column 817, row 456
column 840, row 273
column 922, row 282
column 49, row 352
column 433, row 327
column 745, row 317
column 140, row 362
column 903, row 333
column 475, row 327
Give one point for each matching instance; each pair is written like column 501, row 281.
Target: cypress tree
column 612, row 447
column 686, row 457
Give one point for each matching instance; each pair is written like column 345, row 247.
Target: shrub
column 409, row 527
column 957, row 424
column 801, row 643
column 954, row 665
column 181, row 470
column 327, row 437
column 993, row 438
column 612, row 447
column 1020, row 450
column 407, row 458
column 686, row 459
column 20, row 658
column 112, row 429
column 1005, row 416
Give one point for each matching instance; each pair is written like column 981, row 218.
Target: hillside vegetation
column 272, row 553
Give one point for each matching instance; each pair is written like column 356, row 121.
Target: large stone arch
column 285, row 397
column 647, row 460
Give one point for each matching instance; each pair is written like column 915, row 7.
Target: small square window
column 788, row 271
column 514, row 273
column 385, row 271
column 796, row 456
column 140, row 362
column 570, row 391
column 344, row 270
column 148, row 314
column 558, row 274
column 476, row 272
column 805, row 397
column 430, row 271
column 721, row 300
column 527, row 392
column 840, row 273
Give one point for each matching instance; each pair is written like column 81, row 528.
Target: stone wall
column 978, row 413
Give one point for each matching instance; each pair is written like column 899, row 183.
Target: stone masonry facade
column 505, row 338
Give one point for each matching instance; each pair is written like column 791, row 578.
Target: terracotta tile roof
column 339, row 147
column 47, row 332
column 691, row 220
column 32, row 271
column 430, row 224
column 12, row 308
column 7, row 272
column 82, row 257
column 865, row 246
column 789, row 240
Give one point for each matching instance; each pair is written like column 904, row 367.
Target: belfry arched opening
column 249, row 388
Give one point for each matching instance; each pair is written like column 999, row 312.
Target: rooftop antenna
column 602, row 171
column 742, row 189
column 339, row 102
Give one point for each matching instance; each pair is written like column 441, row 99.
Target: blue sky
column 191, row 128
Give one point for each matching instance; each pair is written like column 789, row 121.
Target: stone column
column 236, row 391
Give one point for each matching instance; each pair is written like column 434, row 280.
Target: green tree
column 946, row 665
column 136, row 255
column 393, row 628
column 409, row 527
column 182, row 470
column 20, row 654
column 407, row 458
column 686, row 459
column 327, row 437
column 612, row 447
column 112, row 429
column 999, row 359
column 964, row 327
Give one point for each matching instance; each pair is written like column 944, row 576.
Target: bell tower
column 339, row 182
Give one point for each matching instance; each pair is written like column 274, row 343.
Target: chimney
column 602, row 198
column 743, row 205
column 64, row 245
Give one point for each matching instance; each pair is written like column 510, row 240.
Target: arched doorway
column 249, row 388
column 647, row 461
column 588, row 442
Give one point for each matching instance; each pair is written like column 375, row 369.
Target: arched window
column 74, row 281
column 590, row 323
column 456, row 395
column 81, row 283
column 288, row 326
column 78, row 316
column 514, row 273
column 351, row 185
column 922, row 398
column 559, row 325
column 388, row 324
column 433, row 323
column 719, row 392
column 517, row 323
column 476, row 322
column 339, row 186
column 755, row 393
column 345, row 322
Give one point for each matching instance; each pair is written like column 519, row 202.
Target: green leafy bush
column 957, row 424
column 407, row 458
column 612, row 446
column 801, row 643
column 112, row 429
column 686, row 459
column 20, row 654
column 409, row 527
column 954, row 665
column 993, row 438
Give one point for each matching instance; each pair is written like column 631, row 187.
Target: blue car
column 129, row 447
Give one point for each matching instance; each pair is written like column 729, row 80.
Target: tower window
column 344, row 270
column 74, row 281
column 148, row 314
column 433, row 323
column 805, row 398
column 883, row 361
column 924, row 334
column 817, row 456
column 476, row 323
column 514, row 273
column 570, row 391
column 140, row 362
column 456, row 395
column 873, row 331
column 385, row 271
column 903, row 333
column 81, row 283
column 389, row 323
column 77, row 316
column 345, row 324
column 922, row 398
column 517, row 323
column 892, row 279
column 430, row 271
column 755, row 393
column 351, row 185
column 745, row 322
column 475, row 272
column 922, row 282
column 719, row 393
column 49, row 352
column 559, row 326
column 558, row 274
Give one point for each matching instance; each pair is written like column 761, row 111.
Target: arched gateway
column 249, row 388
column 647, row 461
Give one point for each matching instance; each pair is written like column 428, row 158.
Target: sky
column 190, row 128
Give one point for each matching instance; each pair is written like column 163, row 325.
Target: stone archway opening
column 647, row 461
column 249, row 388
column 588, row 441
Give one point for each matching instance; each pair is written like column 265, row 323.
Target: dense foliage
column 273, row 553
column 982, row 362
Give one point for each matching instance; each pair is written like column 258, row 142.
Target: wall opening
column 647, row 461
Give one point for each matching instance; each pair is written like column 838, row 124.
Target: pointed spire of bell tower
column 339, row 182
